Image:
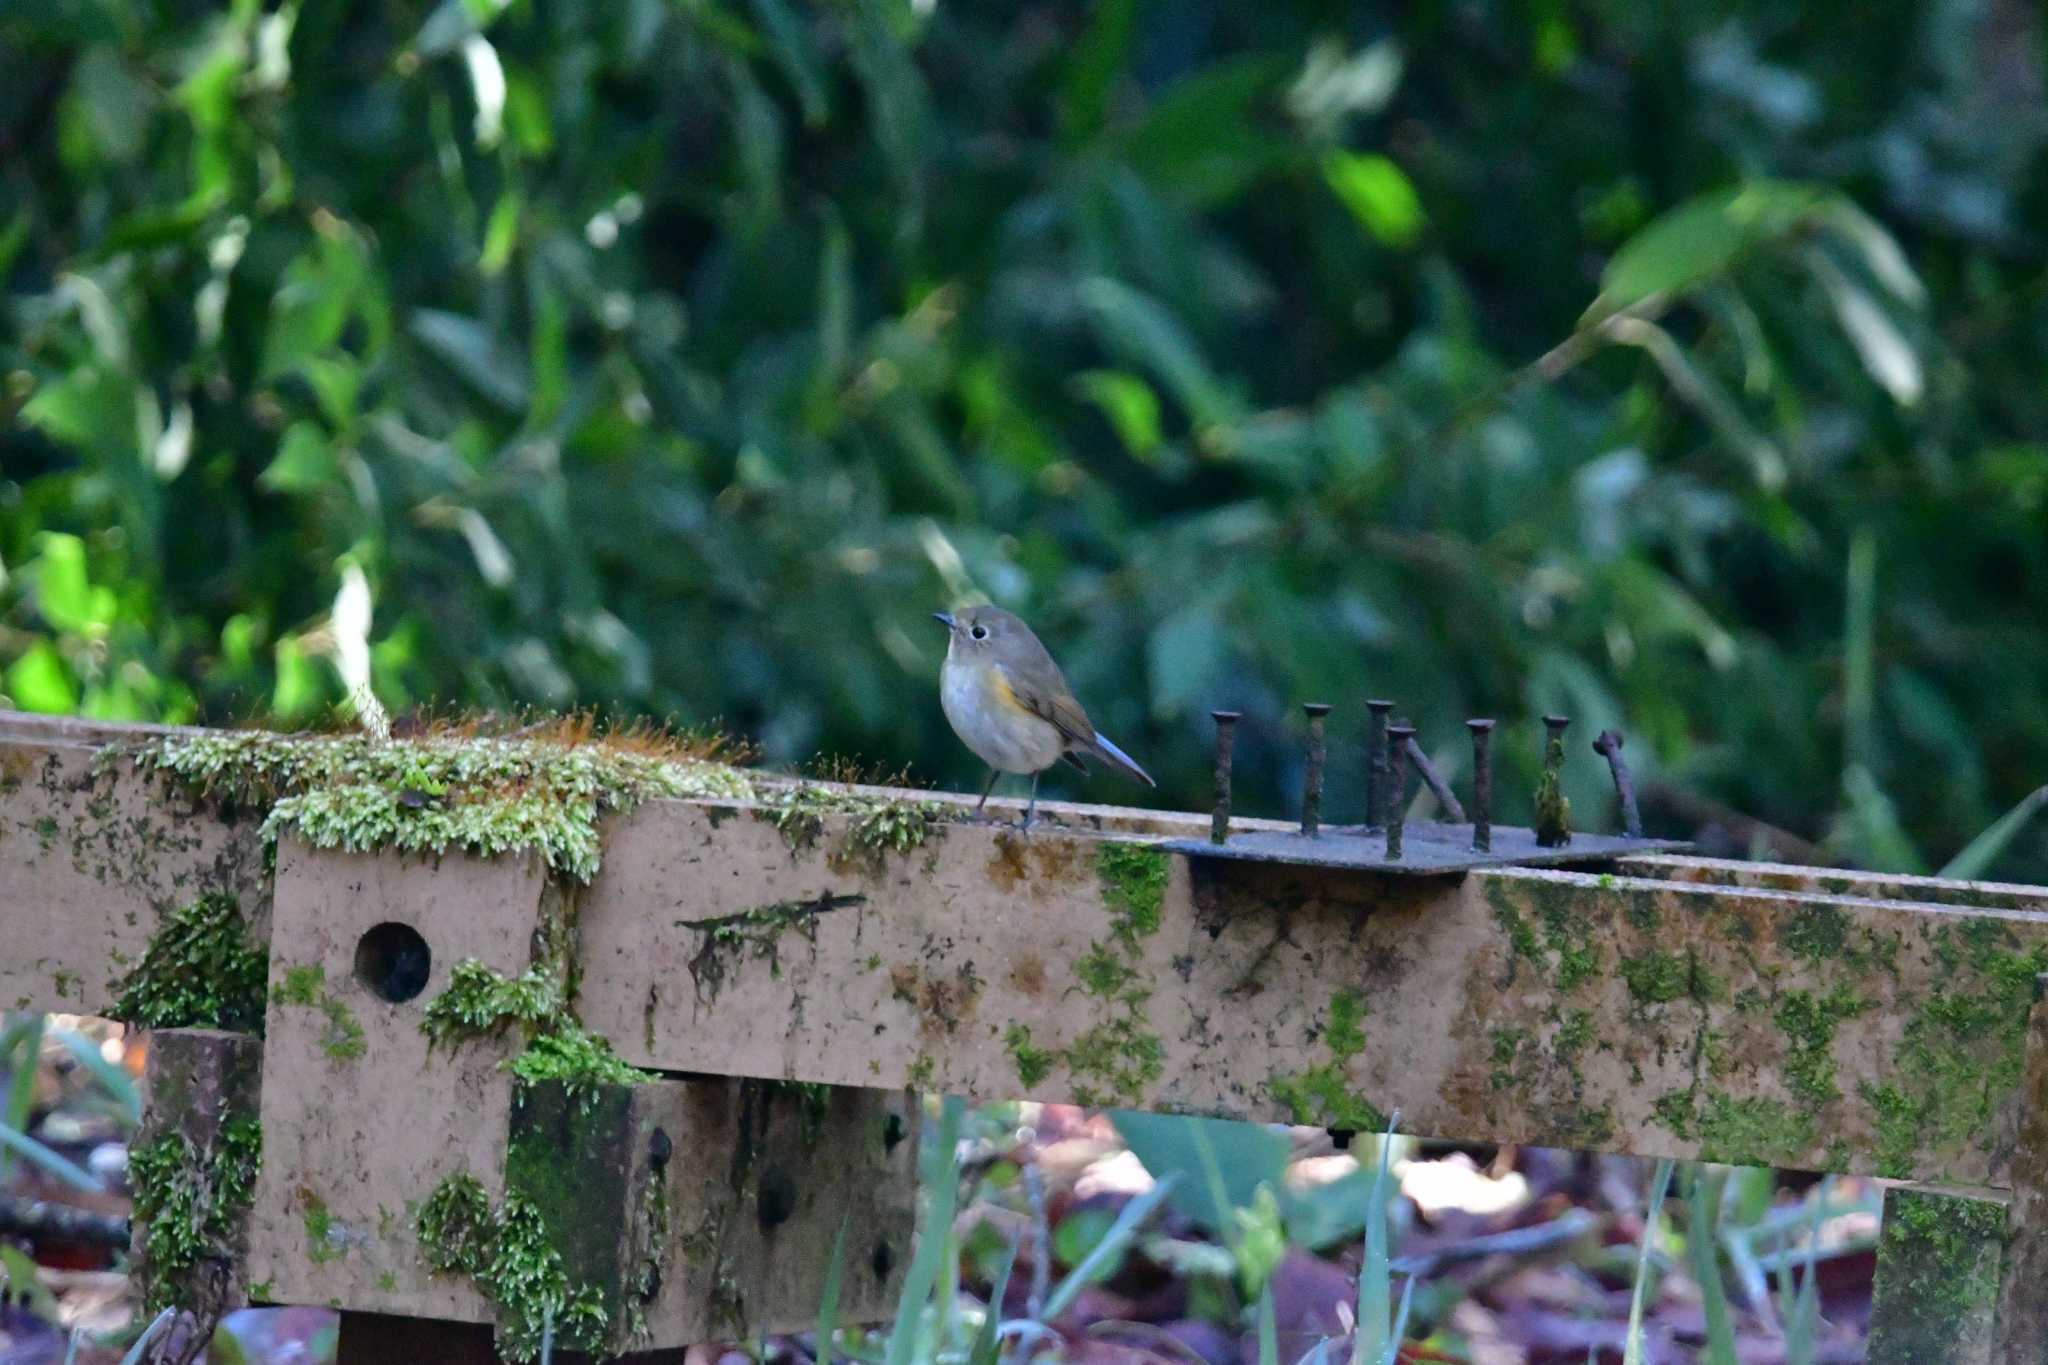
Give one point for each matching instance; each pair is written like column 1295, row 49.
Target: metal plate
column 1427, row 848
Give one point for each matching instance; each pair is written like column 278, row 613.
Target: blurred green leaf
column 1219, row 1164
column 304, row 462
column 38, row 681
column 1701, row 238
column 1379, row 195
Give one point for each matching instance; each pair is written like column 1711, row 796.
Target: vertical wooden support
column 2022, row 1336
column 193, row 1164
column 1938, row 1273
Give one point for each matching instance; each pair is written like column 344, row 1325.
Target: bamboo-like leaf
column 828, row 1302
column 1375, row 1278
column 983, row 1352
column 1703, row 1201
column 53, row 1162
column 1660, row 1185
column 942, row 1189
column 1983, row 850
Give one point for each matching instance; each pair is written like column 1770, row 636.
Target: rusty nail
column 1312, row 774
column 1608, row 746
column 1482, row 784
column 1397, row 785
column 1226, row 733
column 1454, row 813
column 1376, row 763
column 1553, row 812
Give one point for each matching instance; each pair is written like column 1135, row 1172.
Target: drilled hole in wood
column 892, row 1132
column 393, row 961
column 882, row 1261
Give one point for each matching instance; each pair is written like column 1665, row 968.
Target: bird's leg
column 986, row 789
column 1031, row 807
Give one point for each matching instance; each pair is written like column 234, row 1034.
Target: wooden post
column 1939, row 1260
column 2022, row 1302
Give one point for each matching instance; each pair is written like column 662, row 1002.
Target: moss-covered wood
column 1938, row 1264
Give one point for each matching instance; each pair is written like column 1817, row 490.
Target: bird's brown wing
column 1043, row 692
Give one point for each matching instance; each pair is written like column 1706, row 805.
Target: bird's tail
column 1117, row 758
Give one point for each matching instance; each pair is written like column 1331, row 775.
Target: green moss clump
column 511, row 1257
column 581, row 1061
column 1033, row 1063
column 455, row 1226
column 306, row 985
column 1133, row 878
column 199, row 971
column 191, row 1202
column 1937, row 1274
column 1739, row 1132
column 1572, row 1037
column 481, row 794
column 1507, row 1050
column 482, row 1003
column 1565, row 933
column 1122, row 1054
column 876, row 826
column 1657, row 978
column 320, row 1244
column 1103, row 971
column 1963, row 1051
column 1322, row 1094
column 1809, row 1022
column 1654, row 978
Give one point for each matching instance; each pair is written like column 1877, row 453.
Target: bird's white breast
column 1002, row 734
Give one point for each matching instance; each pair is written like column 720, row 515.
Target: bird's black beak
column 943, row 619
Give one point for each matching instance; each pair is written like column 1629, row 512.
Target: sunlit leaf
column 1378, row 193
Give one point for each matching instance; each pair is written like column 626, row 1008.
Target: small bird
column 1007, row 700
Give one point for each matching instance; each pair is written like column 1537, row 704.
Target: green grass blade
column 1400, row 1332
column 1703, row 1201
column 71, row 1347
column 828, row 1302
column 1983, row 850
column 1212, row 1176
column 55, row 1163
column 1111, row 1246
column 983, row 1351
column 21, row 1051
column 1269, row 1332
column 1660, row 1185
column 112, row 1078
column 942, row 1185
column 1802, row 1315
column 1375, row 1278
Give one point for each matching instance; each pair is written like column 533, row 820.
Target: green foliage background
column 1673, row 366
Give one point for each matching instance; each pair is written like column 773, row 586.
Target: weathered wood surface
column 1628, row 1014
column 1685, row 1007
column 92, row 854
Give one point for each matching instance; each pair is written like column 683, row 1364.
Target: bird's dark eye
column 979, row 632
